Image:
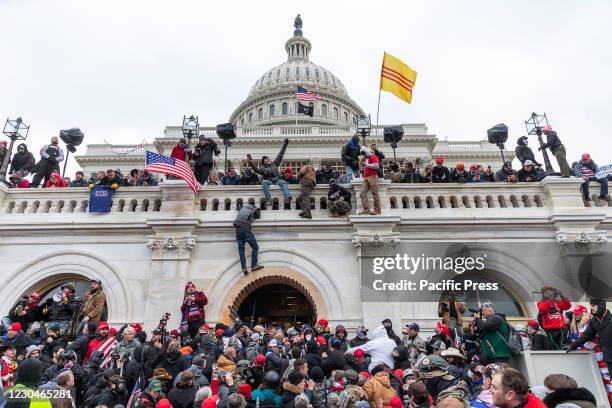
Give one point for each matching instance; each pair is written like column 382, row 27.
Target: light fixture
column 15, row 130
column 534, row 126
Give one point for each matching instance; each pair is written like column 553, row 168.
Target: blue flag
column 100, row 199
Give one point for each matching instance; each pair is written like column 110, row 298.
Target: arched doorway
column 277, row 304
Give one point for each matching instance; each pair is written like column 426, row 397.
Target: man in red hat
column 15, row 337
column 588, row 171
column 440, row 173
column 550, row 311
column 103, row 342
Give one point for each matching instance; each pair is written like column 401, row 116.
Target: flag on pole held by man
column 158, row 163
column 303, row 94
column 397, row 78
column 107, row 347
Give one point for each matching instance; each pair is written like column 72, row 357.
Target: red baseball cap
column 443, row 328
column 365, row 374
column 219, row 332
column 580, row 309
column 260, row 360
column 359, row 353
column 245, row 390
column 396, row 402
column 323, row 322
column 15, row 327
column 206, row 326
column 533, row 323
column 320, row 340
column 137, row 327
column 174, row 332
column 102, row 325
column 586, row 157
column 210, row 402
column 163, row 403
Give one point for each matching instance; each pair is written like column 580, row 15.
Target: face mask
column 308, row 337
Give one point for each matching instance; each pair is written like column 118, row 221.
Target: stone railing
column 76, row 200
column 396, row 199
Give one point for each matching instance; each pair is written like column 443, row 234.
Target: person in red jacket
column 193, row 309
column 370, row 163
column 511, row 389
column 550, row 314
column 56, row 181
column 180, row 151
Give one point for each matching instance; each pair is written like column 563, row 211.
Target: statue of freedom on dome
column 297, row 23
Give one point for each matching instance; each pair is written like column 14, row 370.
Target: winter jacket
column 590, row 165
column 350, row 154
column 264, row 394
column 463, row 177
column 551, row 313
column 195, row 311
column 125, row 347
column 80, row 345
column 173, row 361
column 249, row 178
column 335, row 361
column 380, row 348
column 307, row 174
column 182, row 396
column 58, row 341
column 274, row 361
column 412, row 177
column 494, row 341
column 226, row 364
column 111, row 398
column 502, row 174
column 179, row 153
column 323, row 176
column 79, row 183
column 24, row 402
column 579, row 396
column 601, row 327
column 524, row 152
column 21, row 341
column 63, row 311
column 314, row 359
column 381, row 157
column 93, row 305
column 199, row 379
column 230, row 181
column 22, row 161
column 147, row 180
column 533, row 402
column 270, row 171
column 552, row 141
column 206, row 152
column 440, row 174
column 342, row 192
column 379, row 388
column 290, row 391
column 246, row 215
column 528, row 176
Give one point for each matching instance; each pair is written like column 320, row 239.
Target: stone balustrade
column 396, row 199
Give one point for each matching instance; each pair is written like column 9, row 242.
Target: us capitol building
column 155, row 239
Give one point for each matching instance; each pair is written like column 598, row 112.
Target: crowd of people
column 360, row 162
column 60, row 353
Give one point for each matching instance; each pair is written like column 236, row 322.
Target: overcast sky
column 122, row 70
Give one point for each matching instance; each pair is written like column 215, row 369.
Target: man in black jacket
column 440, row 173
column 553, row 143
column 243, row 221
column 23, row 160
column 350, row 157
column 524, row 152
column 334, row 358
column 249, row 178
column 50, row 157
column 528, row 173
column 325, row 174
column 79, row 180
column 600, row 325
column 270, row 173
column 62, row 309
column 203, row 158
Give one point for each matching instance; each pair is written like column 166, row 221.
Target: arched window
column 345, row 117
column 297, row 71
column 242, row 121
column 251, row 117
column 284, row 108
column 504, row 301
column 307, row 73
column 288, row 72
column 336, row 114
column 277, row 74
column 260, row 113
column 317, row 74
column 324, row 110
column 324, row 76
column 271, row 111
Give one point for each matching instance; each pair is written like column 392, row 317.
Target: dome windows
column 260, row 113
column 324, row 110
column 317, row 74
column 336, row 113
column 288, row 73
column 251, row 117
column 278, row 74
column 325, row 77
column 297, row 72
column 307, row 73
column 284, row 108
column 271, row 110
column 345, row 116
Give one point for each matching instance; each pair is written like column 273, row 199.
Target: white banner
column 604, row 171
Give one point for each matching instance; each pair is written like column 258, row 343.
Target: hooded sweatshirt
column 380, row 348
column 23, row 161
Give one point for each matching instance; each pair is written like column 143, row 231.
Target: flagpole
column 378, row 107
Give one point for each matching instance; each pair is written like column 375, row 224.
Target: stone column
column 171, row 248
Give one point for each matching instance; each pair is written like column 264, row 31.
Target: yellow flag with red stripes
column 397, row 78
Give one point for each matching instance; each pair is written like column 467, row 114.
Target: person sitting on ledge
column 506, row 173
column 249, row 178
column 268, row 169
column 79, row 180
column 440, row 173
column 231, row 178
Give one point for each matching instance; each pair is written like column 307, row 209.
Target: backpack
column 514, row 342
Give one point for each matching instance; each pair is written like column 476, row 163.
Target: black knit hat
column 316, row 374
column 295, row 377
column 29, row 373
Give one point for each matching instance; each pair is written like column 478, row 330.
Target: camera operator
column 550, row 315
column 203, row 158
column 492, row 329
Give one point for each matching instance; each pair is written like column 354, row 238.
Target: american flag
column 157, row 163
column 304, row 95
column 107, row 347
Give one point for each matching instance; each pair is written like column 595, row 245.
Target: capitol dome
column 272, row 100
